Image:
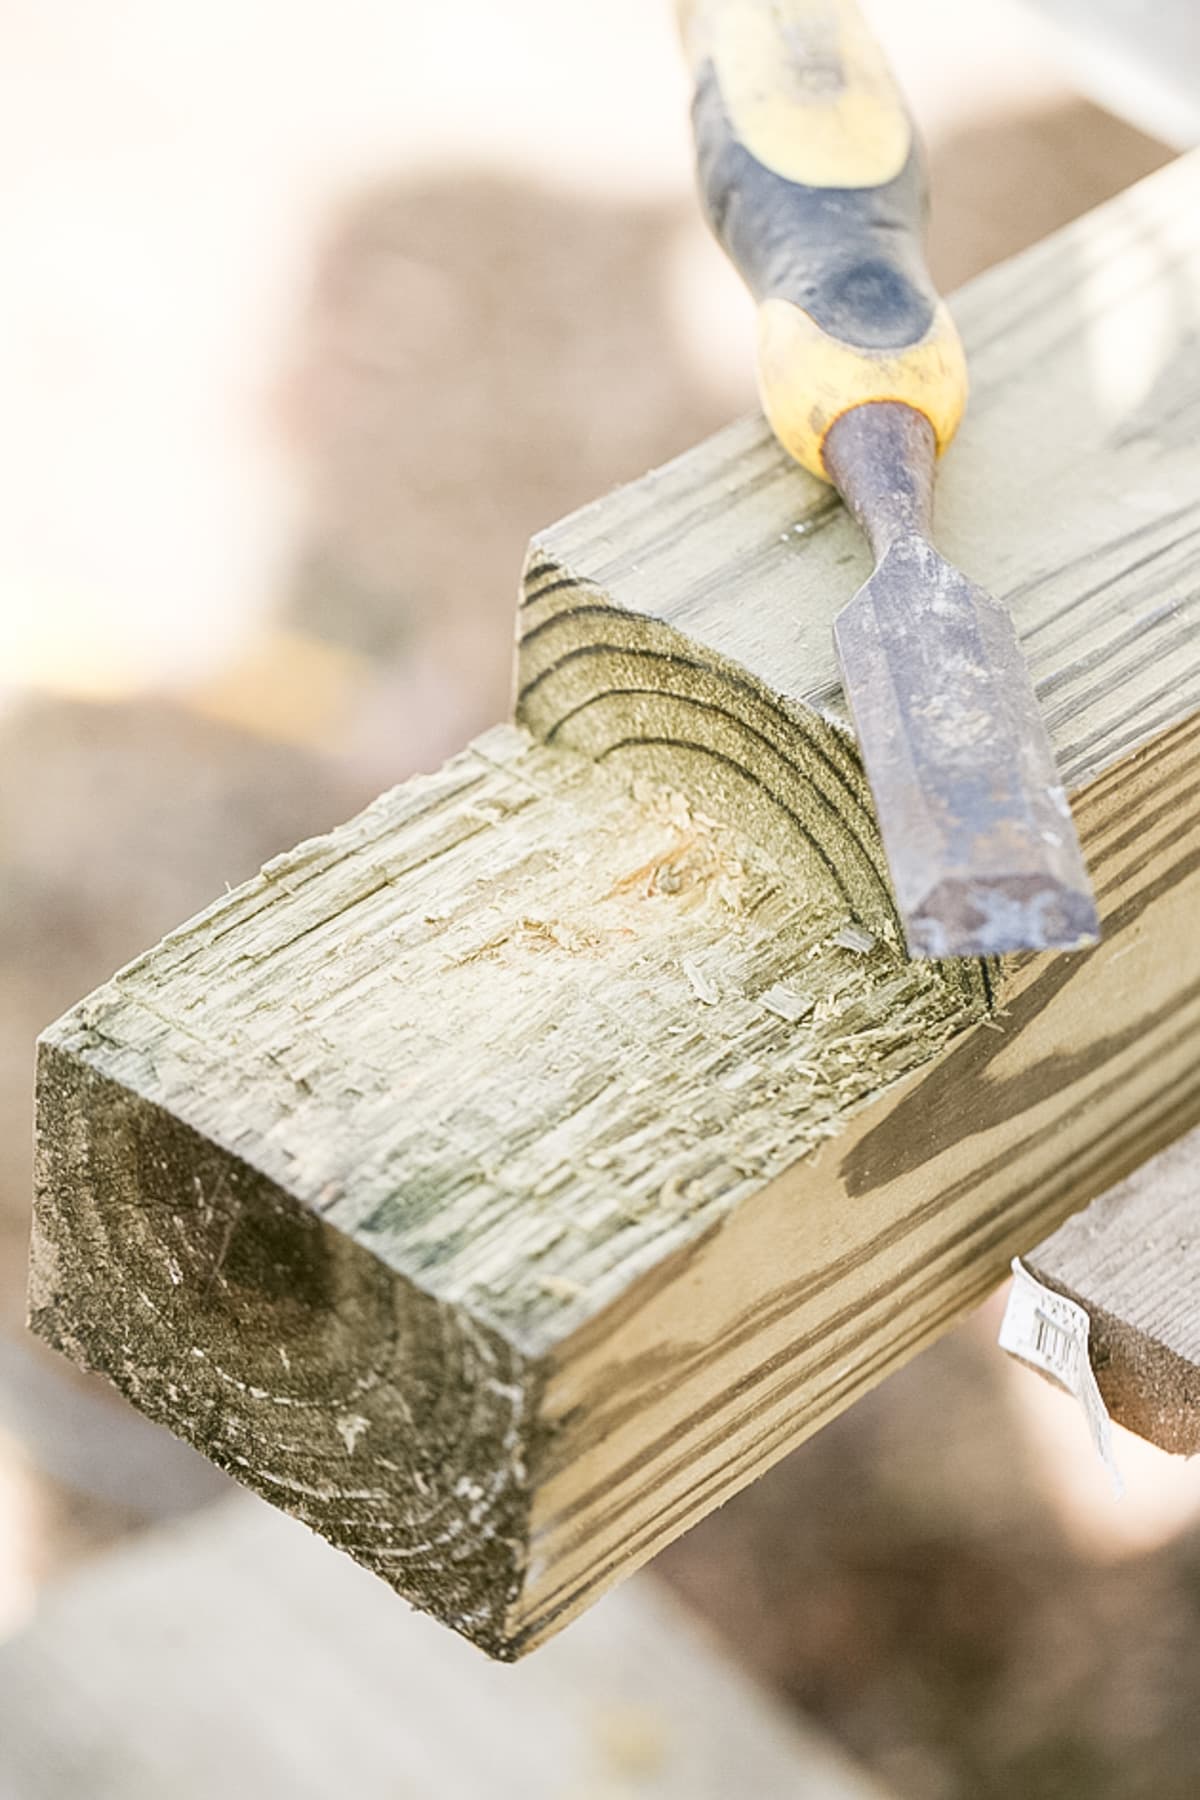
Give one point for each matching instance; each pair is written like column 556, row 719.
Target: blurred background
column 312, row 311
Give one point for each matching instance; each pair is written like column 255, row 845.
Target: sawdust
column 694, row 866
column 698, row 864
column 533, row 936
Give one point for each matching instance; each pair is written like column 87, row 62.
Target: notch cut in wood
column 504, row 1180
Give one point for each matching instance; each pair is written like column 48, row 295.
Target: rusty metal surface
column 976, row 826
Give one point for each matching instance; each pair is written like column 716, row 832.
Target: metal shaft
column 881, row 458
column 975, row 825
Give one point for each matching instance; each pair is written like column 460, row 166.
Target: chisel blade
column 976, row 826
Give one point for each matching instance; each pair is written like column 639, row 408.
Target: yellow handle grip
column 806, row 88
column 811, row 176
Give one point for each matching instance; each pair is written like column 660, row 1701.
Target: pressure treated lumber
column 1132, row 1258
column 235, row 1655
column 504, row 1180
column 325, row 1180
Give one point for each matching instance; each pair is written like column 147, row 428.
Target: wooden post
column 503, row 1181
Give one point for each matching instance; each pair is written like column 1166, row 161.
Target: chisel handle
column 811, row 176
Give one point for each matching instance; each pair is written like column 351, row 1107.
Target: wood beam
column 503, row 1181
column 1132, row 1259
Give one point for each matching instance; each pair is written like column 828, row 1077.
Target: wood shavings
column 786, row 1003
column 854, row 937
column 702, row 987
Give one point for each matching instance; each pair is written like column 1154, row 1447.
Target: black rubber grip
column 852, row 258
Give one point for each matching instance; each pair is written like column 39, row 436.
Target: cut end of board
column 223, row 1307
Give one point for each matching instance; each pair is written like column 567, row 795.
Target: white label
column 1050, row 1332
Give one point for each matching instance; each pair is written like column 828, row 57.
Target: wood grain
column 1132, row 1258
column 504, row 1180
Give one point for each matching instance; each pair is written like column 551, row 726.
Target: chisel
column 811, row 176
